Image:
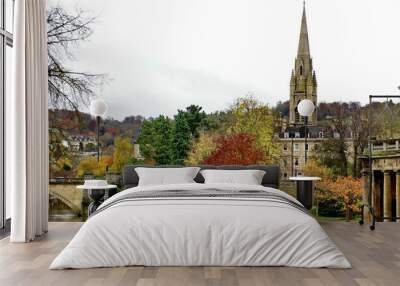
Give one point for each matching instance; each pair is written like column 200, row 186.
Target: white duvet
column 202, row 232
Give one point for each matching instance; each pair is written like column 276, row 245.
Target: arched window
column 301, row 70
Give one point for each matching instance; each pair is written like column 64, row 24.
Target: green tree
column 90, row 147
column 155, row 140
column 215, row 121
column 123, row 152
column 195, row 117
column 182, row 134
column 186, row 129
column 332, row 154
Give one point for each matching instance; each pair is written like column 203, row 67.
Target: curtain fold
column 28, row 123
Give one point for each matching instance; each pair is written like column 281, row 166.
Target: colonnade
column 382, row 201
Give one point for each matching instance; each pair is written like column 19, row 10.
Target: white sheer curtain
column 28, row 123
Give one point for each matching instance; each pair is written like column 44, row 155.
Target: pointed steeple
column 303, row 81
column 304, row 46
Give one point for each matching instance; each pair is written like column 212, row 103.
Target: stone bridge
column 66, row 191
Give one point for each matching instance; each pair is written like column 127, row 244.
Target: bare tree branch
column 69, row 88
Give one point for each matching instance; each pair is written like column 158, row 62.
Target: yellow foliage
column 62, row 164
column 201, row 149
column 91, row 166
column 249, row 116
column 123, row 152
column 314, row 169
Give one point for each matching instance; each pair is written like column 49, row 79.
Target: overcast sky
column 167, row 54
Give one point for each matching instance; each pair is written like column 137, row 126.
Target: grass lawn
column 328, row 219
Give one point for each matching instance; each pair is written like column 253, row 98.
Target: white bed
column 200, row 231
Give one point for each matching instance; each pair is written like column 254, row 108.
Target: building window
column 321, row 134
column 286, row 135
column 296, row 147
column 285, row 175
column 336, row 135
column 297, row 135
column 306, row 147
column 6, row 44
column 301, row 70
column 284, row 147
column 296, row 162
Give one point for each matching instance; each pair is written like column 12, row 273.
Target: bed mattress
column 201, row 225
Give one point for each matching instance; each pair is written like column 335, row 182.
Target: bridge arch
column 74, row 202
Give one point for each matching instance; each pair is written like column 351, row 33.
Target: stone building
column 385, row 178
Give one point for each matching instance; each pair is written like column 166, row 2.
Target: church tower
column 303, row 82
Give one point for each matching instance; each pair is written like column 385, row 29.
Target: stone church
column 303, row 85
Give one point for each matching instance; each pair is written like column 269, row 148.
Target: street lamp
column 98, row 108
column 305, row 108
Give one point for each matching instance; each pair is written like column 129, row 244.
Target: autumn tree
column 322, row 188
column 57, row 150
column 249, row 116
column 202, row 149
column 90, row 166
column 236, row 149
column 348, row 190
column 123, row 152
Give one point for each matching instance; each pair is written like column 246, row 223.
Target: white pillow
column 248, row 177
column 166, row 176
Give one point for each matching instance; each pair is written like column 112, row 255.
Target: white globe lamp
column 98, row 108
column 305, row 107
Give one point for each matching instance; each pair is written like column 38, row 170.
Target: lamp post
column 98, row 108
column 305, row 108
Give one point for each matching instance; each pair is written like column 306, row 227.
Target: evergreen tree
column 181, row 138
column 155, row 140
column 187, row 125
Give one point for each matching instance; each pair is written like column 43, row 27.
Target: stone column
column 387, row 196
column 398, row 194
column 365, row 182
column 373, row 195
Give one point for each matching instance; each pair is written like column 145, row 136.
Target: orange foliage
column 347, row 190
column 314, row 169
column 236, row 149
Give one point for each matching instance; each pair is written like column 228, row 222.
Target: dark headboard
column 130, row 178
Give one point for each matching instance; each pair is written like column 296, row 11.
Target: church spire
column 304, row 46
column 303, row 81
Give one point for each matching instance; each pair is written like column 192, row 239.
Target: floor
column 375, row 257
column 5, row 231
